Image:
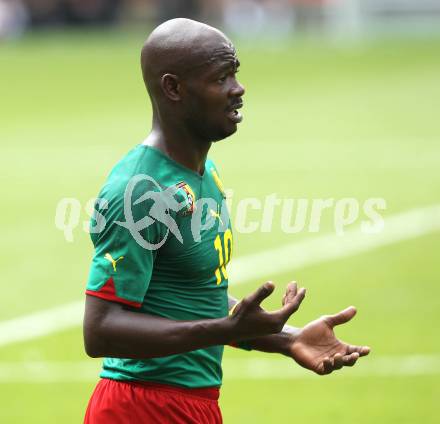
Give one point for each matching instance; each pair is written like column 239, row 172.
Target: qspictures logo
column 147, row 203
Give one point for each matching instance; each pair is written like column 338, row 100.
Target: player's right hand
column 250, row 320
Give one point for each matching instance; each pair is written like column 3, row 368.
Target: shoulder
column 210, row 166
column 140, row 168
column 214, row 175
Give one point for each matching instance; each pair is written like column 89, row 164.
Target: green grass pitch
column 321, row 121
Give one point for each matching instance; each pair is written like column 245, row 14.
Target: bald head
column 180, row 46
column 189, row 69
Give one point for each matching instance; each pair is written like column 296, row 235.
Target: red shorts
column 120, row 402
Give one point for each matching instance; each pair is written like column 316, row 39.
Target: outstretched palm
column 316, row 347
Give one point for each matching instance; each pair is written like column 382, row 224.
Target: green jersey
column 162, row 240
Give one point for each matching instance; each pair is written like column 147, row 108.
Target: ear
column 171, row 86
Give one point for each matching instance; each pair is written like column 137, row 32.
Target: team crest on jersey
column 218, row 182
column 189, row 198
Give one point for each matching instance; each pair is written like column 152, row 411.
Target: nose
column 237, row 90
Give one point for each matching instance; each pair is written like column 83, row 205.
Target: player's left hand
column 316, row 347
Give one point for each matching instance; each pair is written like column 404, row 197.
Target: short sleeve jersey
column 162, row 240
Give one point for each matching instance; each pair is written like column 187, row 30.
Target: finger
column 290, row 306
column 341, row 317
column 327, row 365
column 261, row 293
column 291, row 292
column 338, row 361
column 361, row 350
column 350, row 360
column 365, row 350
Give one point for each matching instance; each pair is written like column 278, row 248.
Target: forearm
column 121, row 333
column 275, row 343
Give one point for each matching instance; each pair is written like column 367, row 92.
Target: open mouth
column 234, row 115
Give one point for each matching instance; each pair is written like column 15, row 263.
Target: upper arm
column 98, row 312
column 121, row 268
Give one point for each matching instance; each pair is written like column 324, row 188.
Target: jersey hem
column 206, row 393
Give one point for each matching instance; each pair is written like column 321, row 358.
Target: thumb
column 341, row 317
column 261, row 293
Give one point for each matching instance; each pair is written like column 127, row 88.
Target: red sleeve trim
column 108, row 292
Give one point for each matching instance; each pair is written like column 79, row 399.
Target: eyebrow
column 217, row 63
column 229, row 64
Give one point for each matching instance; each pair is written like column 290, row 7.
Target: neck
column 179, row 145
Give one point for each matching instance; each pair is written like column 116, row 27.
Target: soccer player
column 157, row 306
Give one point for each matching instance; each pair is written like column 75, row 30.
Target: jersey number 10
column 224, row 254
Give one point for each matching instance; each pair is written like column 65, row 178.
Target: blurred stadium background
column 343, row 98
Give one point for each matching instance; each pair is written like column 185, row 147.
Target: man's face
column 213, row 95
